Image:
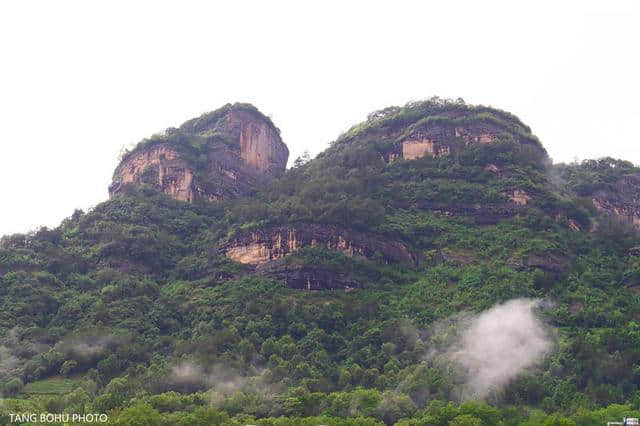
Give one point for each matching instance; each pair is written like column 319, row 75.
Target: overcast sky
column 79, row 80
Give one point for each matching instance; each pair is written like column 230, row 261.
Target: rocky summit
column 222, row 154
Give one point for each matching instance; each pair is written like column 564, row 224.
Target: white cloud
column 500, row 344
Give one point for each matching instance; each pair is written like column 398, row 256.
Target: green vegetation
column 131, row 309
column 594, row 175
column 50, row 386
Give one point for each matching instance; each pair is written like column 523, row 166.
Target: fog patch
column 488, row 350
column 185, row 377
column 8, row 361
column 410, row 332
column 16, row 350
column 221, row 381
column 88, row 347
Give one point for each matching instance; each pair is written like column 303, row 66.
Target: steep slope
column 323, row 292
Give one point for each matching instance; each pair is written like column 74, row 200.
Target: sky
column 80, row 80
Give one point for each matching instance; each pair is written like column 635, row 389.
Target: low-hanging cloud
column 219, row 379
column 16, row 350
column 490, row 349
column 89, row 346
column 189, row 375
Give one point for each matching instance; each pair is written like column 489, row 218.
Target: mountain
column 431, row 267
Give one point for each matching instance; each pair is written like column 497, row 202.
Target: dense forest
column 133, row 308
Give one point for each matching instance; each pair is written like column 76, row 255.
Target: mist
column 190, row 375
column 488, row 350
column 16, row 349
column 8, row 361
column 89, row 346
column 219, row 380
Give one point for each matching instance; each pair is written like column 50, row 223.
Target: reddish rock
column 244, row 151
column 267, row 244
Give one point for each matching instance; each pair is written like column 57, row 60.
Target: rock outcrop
column 552, row 264
column 161, row 166
column 622, row 202
column 264, row 245
column 222, row 154
column 519, row 196
column 441, row 139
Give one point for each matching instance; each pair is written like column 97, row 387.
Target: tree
column 466, row 420
column 558, row 420
column 395, row 406
column 204, row 416
column 302, row 160
column 139, row 415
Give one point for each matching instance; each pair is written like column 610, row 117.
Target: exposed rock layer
column 307, row 277
column 161, row 166
column 439, row 138
column 264, row 245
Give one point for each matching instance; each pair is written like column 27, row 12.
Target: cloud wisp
column 488, row 350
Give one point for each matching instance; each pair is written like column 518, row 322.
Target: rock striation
column 160, row 165
column 222, row 154
column 264, row 245
column 441, row 139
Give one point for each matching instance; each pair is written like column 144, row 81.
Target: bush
column 13, row 387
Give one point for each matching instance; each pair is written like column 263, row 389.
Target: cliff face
column 442, row 139
column 264, row 245
column 161, row 166
column 260, row 144
column 270, row 252
column 222, row 154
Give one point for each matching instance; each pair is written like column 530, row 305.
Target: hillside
column 214, row 287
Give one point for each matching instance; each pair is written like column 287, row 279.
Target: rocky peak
column 438, row 127
column 222, row 154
